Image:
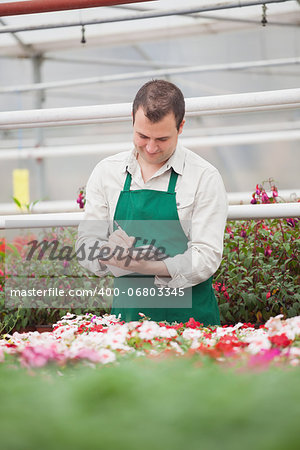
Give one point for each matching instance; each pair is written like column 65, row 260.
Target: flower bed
column 106, row 340
column 95, row 382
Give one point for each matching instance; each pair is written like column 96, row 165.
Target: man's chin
column 153, row 158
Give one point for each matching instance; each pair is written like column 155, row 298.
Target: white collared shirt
column 201, row 203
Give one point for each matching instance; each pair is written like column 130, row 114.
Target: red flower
column 227, row 344
column 193, row 324
column 21, row 242
column 247, row 325
column 280, row 340
column 2, row 245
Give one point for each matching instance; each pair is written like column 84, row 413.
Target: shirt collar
column 176, row 161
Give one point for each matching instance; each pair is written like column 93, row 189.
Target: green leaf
column 17, row 202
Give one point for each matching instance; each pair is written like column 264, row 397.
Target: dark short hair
column 159, row 98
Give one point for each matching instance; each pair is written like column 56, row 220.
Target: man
column 165, row 194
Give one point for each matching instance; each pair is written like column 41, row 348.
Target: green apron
column 151, row 214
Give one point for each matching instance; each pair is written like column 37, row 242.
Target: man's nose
column 151, row 146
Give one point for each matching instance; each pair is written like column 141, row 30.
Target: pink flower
column 265, row 198
column 88, row 353
column 39, row 356
column 243, row 234
column 264, row 358
column 291, row 222
column 268, row 251
column 274, row 191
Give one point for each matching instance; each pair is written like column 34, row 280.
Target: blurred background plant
column 260, row 273
column 43, row 272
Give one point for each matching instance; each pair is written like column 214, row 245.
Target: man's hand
column 116, row 248
column 121, row 255
column 119, row 239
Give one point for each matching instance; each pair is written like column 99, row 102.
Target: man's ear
column 181, row 127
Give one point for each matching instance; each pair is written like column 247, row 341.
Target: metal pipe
column 41, row 6
column 193, row 143
column 220, row 104
column 268, row 211
column 63, row 206
column 27, row 48
column 66, row 140
column 138, row 16
column 150, row 74
column 115, row 62
column 235, row 212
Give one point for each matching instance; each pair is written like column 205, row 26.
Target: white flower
column 274, row 325
column 176, row 347
column 116, row 337
column 223, row 331
column 106, row 356
column 258, row 341
column 66, row 334
column 148, row 330
column 167, row 332
column 191, row 334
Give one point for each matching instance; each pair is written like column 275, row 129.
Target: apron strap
column 172, row 182
column 171, row 187
column 127, row 182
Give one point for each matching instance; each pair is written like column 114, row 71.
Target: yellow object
column 259, row 316
column 21, row 185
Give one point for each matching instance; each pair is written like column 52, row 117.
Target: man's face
column 155, row 142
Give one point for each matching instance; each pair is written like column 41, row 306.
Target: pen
column 118, row 225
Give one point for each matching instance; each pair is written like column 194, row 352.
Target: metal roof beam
column 143, row 15
column 151, row 73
